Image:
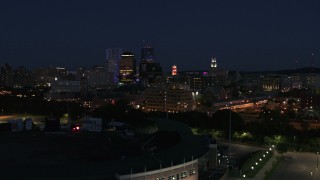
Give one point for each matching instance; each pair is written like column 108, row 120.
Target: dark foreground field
column 39, row 155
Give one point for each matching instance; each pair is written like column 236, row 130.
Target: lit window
column 192, row 171
column 183, row 174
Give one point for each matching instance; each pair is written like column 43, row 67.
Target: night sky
column 242, row 34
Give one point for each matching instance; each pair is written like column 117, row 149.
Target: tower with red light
column 174, row 70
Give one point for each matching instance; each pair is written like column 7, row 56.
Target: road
column 297, row 166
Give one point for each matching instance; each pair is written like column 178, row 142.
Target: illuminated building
column 113, row 56
column 45, row 76
column 217, row 77
column 149, row 70
column 127, row 68
column 195, row 79
column 175, row 98
column 271, row 83
column 174, row 70
column 147, row 54
column 213, row 63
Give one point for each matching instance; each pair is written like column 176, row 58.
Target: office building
column 149, row 71
column 147, row 54
column 175, row 98
column 271, row 83
column 217, row 77
column 127, row 69
column 113, row 56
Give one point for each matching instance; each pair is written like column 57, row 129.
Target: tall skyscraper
column 127, row 68
column 214, row 63
column 147, row 54
column 149, row 70
column 213, row 66
column 217, row 77
column 113, row 56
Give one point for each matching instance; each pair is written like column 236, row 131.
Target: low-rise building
column 175, row 98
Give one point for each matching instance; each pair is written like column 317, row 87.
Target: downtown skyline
column 246, row 36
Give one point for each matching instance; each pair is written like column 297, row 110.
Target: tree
column 220, row 120
column 282, row 148
column 315, row 143
column 274, row 122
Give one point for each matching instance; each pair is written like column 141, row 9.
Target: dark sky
column 242, row 34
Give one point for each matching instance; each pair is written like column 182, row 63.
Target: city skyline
column 245, row 36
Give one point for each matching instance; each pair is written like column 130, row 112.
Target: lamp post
column 230, row 133
column 230, row 122
column 317, row 159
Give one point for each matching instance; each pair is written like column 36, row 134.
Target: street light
column 230, row 132
column 230, row 124
column 317, row 159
